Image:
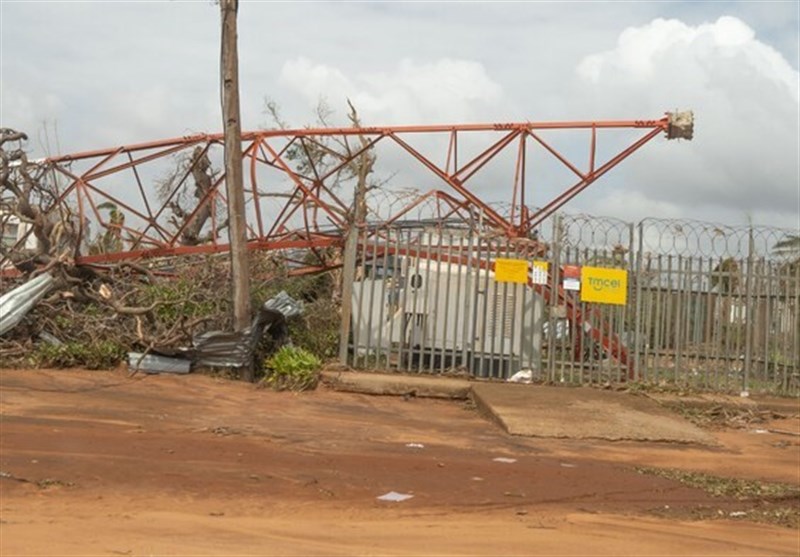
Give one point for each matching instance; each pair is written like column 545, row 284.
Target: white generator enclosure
column 429, row 315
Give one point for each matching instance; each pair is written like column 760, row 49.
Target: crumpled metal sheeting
column 226, row 349
column 15, row 304
column 221, row 348
column 153, row 363
column 285, row 304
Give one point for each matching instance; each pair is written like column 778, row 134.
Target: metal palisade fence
column 583, row 300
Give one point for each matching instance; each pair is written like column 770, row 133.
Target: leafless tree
column 28, row 196
column 193, row 206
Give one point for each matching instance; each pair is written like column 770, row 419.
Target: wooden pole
column 348, row 276
column 229, row 75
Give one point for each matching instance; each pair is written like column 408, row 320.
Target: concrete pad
column 583, row 413
column 398, row 385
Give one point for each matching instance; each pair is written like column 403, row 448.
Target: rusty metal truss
column 295, row 191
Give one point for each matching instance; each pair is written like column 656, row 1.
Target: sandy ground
column 96, row 463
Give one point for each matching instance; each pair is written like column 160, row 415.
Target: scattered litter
column 513, row 494
column 738, row 513
column 744, row 394
column 13, row 477
column 49, row 339
column 394, row 497
column 522, row 376
column 505, row 460
column 760, row 431
column 567, row 465
column 477, row 479
column 415, row 445
column 105, row 292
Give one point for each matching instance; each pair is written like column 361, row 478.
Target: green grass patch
column 91, row 355
column 292, row 368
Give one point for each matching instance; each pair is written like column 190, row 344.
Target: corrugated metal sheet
column 14, row 305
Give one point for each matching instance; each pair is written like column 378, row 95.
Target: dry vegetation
column 97, row 321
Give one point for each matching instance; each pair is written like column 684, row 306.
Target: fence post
column 348, row 277
column 466, row 319
column 552, row 332
column 636, row 269
column 748, row 332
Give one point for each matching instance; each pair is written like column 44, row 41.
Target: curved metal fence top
column 587, row 232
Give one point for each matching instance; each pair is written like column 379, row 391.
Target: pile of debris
column 177, row 314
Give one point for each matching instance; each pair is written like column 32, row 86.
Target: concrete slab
column 583, row 413
column 398, row 385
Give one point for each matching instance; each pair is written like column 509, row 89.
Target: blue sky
column 108, row 73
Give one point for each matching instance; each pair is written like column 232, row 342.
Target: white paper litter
column 394, row 497
column 415, row 445
column 760, row 431
column 522, row 376
column 567, row 465
column 505, row 460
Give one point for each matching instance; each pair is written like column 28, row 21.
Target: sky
column 85, row 75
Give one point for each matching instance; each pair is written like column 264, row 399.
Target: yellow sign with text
column 604, row 286
column 511, row 270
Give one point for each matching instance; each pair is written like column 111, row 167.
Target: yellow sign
column 604, row 286
column 511, row 270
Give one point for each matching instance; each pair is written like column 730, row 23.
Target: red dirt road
column 97, row 463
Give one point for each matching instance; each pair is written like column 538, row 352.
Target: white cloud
column 745, row 96
column 643, row 52
column 411, row 92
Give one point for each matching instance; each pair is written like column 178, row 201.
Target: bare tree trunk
column 358, row 216
column 240, row 269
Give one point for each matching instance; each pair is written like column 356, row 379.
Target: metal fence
column 708, row 306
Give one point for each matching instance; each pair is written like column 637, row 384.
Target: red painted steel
column 311, row 204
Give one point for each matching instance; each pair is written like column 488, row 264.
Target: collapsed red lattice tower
column 313, row 213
